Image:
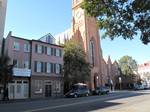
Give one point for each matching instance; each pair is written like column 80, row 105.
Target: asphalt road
column 121, row 101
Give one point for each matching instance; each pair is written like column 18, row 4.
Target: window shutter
column 52, row 51
column 35, row 66
column 60, row 66
column 45, row 50
column 42, row 67
column 54, row 68
column 45, row 68
column 42, row 49
column 60, row 52
column 36, row 47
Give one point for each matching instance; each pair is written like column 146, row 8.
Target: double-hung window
column 16, row 46
column 26, row 47
column 58, row 68
column 39, row 67
column 39, row 49
column 48, row 69
column 57, row 52
column 26, row 64
column 16, row 63
column 48, row 51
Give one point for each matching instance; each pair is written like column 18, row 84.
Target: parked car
column 78, row 90
column 146, row 85
column 101, row 90
column 138, row 87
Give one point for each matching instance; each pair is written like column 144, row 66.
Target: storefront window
column 18, row 89
column 38, row 86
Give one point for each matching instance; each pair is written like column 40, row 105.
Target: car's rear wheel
column 87, row 94
column 99, row 93
column 75, row 95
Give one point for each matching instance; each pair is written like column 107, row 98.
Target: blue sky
column 32, row 19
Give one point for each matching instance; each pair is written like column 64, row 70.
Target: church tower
column 85, row 30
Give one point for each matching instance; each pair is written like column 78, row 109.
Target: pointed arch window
column 92, row 52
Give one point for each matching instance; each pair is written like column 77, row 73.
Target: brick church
column 85, row 30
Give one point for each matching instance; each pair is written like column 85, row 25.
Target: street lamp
column 101, row 79
column 97, row 79
column 120, row 80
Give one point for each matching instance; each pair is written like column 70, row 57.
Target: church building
column 85, row 30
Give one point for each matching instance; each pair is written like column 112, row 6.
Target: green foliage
column 127, row 65
column 121, row 18
column 75, row 68
column 6, row 70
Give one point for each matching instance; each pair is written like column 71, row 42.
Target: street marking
column 66, row 105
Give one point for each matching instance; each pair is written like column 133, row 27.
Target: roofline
column 19, row 38
column 36, row 41
column 46, row 35
column 47, row 43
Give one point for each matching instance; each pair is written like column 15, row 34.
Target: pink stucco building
column 46, row 64
column 18, row 50
column 37, row 71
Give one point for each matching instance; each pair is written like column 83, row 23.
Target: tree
column 121, row 18
column 127, row 65
column 6, row 70
column 75, row 68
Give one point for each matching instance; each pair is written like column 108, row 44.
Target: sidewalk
column 29, row 100
column 48, row 98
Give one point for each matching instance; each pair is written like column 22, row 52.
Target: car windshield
column 73, row 90
column 101, row 87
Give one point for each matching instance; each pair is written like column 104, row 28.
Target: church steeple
column 76, row 3
column 85, row 29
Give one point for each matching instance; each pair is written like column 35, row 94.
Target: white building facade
column 144, row 71
column 62, row 37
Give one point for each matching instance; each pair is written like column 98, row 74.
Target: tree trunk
column 4, row 90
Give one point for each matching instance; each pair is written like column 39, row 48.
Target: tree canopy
column 128, row 65
column 75, row 68
column 6, row 70
column 121, row 18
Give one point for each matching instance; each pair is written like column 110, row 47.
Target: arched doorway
column 96, row 80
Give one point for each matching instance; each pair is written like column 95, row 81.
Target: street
column 119, row 101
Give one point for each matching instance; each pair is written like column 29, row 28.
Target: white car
column 138, row 87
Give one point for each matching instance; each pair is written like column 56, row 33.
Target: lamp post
column 111, row 84
column 101, row 79
column 97, row 80
column 120, row 80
